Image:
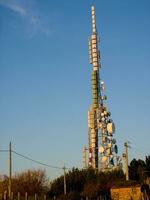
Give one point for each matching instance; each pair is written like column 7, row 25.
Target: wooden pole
column 26, row 196
column 35, row 196
column 18, row 195
column 65, row 191
column 10, row 172
column 5, row 195
column 126, row 158
column 12, row 195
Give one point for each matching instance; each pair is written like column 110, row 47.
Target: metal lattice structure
column 102, row 148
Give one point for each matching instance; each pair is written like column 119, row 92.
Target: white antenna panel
column 104, row 159
column 101, row 149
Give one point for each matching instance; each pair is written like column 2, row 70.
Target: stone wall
column 126, row 193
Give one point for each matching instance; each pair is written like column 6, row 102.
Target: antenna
column 102, row 146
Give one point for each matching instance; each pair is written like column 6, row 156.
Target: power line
column 38, row 162
column 35, row 161
column 139, row 150
column 2, row 150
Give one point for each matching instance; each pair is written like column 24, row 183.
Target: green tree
column 4, row 184
column 147, row 162
column 137, row 170
column 30, row 181
column 86, row 182
column 91, row 191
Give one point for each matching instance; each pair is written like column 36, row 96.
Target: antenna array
column 102, row 147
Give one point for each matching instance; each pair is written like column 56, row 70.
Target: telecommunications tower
column 102, row 148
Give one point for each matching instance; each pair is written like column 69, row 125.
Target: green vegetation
column 139, row 169
column 92, row 184
column 86, row 183
column 79, row 183
column 30, row 181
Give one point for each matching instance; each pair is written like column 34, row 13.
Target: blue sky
column 45, row 88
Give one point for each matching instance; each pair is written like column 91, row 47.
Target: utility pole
column 10, row 171
column 84, row 157
column 126, row 160
column 64, row 180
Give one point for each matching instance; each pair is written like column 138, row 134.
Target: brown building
column 128, row 193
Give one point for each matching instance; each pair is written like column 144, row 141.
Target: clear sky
column 45, row 87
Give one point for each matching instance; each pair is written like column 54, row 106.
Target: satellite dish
column 103, row 139
column 111, row 156
column 108, row 151
column 102, row 85
column 113, row 127
column 116, row 149
column 101, row 149
column 105, row 112
column 114, row 141
column 104, row 158
column 112, row 161
column 100, row 125
column 102, row 82
column 109, row 145
column 103, row 119
column 109, row 137
column 119, row 159
column 106, row 139
column 93, row 145
column 110, row 127
column 102, row 114
column 109, row 113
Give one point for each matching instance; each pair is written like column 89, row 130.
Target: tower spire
column 93, row 44
column 102, row 146
column 93, row 19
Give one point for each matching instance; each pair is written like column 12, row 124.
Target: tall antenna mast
column 102, row 146
column 92, row 124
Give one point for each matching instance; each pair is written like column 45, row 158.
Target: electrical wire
column 35, row 161
column 39, row 162
column 2, row 150
column 139, row 150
